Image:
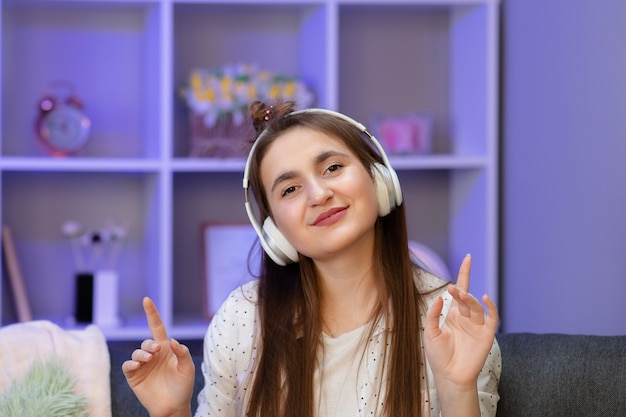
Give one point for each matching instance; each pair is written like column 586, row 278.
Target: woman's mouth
column 330, row 217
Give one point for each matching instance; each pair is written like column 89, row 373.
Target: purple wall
column 564, row 166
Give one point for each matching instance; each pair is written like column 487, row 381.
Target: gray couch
column 542, row 375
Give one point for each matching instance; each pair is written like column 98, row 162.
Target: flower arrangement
column 227, row 91
column 218, row 100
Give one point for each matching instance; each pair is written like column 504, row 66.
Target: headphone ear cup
column 387, row 187
column 276, row 245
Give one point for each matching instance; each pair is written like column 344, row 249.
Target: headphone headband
column 276, row 246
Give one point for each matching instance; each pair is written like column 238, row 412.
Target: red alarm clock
column 62, row 126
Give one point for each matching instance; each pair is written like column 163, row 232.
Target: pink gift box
column 404, row 134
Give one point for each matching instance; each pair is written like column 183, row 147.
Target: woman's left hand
column 457, row 351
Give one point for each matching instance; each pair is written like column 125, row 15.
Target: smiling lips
column 330, row 217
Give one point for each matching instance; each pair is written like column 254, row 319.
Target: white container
column 106, row 298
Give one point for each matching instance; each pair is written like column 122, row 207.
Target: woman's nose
column 319, row 192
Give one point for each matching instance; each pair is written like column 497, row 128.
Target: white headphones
column 386, row 182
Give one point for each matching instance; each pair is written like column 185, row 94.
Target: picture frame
column 232, row 257
column 407, row 133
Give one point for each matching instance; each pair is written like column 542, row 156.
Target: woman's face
column 321, row 196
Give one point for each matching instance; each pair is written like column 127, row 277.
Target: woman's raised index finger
column 155, row 323
column 463, row 279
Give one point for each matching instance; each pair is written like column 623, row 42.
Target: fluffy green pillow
column 46, row 389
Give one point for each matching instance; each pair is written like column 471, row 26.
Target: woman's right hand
column 161, row 373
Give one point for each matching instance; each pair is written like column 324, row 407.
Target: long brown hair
column 289, row 296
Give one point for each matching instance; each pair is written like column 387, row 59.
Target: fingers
column 492, row 313
column 468, row 305
column 150, row 346
column 154, row 320
column 432, row 317
column 140, row 356
column 463, row 279
column 455, row 292
column 182, row 354
column 146, row 352
column 129, row 366
column 180, row 350
column 474, row 309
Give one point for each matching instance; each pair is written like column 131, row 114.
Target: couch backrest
column 551, row 375
column 562, row 375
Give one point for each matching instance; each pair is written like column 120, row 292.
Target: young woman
column 341, row 321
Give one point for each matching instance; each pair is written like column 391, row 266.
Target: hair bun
column 263, row 113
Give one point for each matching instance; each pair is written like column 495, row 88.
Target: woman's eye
column 334, row 167
column 288, row 190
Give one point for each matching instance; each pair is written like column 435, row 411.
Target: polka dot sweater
column 230, row 353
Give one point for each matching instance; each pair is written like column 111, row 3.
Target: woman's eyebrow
column 328, row 154
column 282, row 177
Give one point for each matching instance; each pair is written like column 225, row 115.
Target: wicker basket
column 224, row 140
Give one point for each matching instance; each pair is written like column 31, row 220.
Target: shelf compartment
column 282, row 38
column 198, row 199
column 446, row 212
column 110, row 52
column 36, row 204
column 423, row 58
